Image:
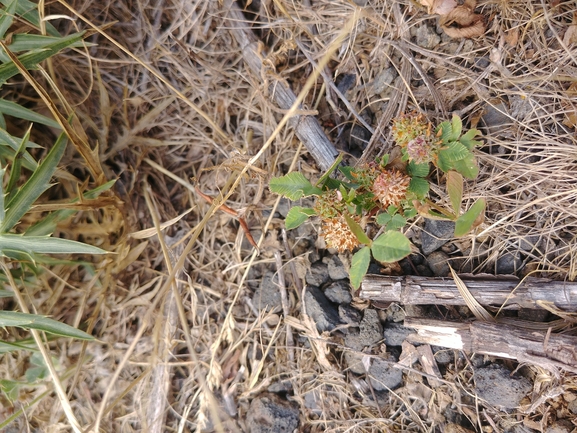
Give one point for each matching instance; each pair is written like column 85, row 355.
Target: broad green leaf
column 391, row 246
column 444, row 162
column 470, row 219
column 384, row 218
column 446, row 131
column 410, row 213
column 7, row 17
column 419, row 187
column 31, row 59
column 468, row 139
column 347, row 172
column 455, row 190
column 41, row 323
column 13, row 109
column 418, row 170
column 359, row 266
column 454, row 151
column 397, row 222
column 10, row 388
column 333, row 167
column 456, row 126
column 467, row 167
column 45, row 245
column 357, row 230
column 293, row 186
column 298, row 215
column 6, row 294
column 34, row 186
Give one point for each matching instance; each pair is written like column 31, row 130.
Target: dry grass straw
column 170, row 99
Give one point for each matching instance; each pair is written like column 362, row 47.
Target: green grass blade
column 2, row 212
column 29, row 12
column 31, row 59
column 34, row 187
column 13, row 143
column 13, row 109
column 45, row 245
column 15, row 170
column 7, row 17
column 47, row 225
column 41, row 323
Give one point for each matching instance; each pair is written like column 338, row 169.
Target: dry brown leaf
column 462, row 21
column 570, row 36
column 440, row 7
column 476, row 30
column 512, row 37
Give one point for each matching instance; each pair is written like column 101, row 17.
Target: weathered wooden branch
column 547, row 350
column 487, row 290
column 307, row 128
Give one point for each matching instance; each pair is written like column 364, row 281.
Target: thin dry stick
column 62, row 397
column 285, row 305
column 226, row 209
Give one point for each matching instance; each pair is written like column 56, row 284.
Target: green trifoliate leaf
column 297, row 215
column 391, row 246
column 294, row 186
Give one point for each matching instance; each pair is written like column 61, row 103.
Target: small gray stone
column 349, row 314
column 435, row 234
column 383, row 81
column 439, row 263
column 319, row 308
column 396, row 333
column 426, row 37
column 336, row 268
column 317, row 275
column 572, row 406
column 560, row 426
column 339, row 292
column 383, row 376
column 395, row 313
column 270, row 414
column 496, row 117
column 281, row 386
column 509, row 263
column 495, row 385
column 371, row 330
column 370, row 333
column 443, row 356
column 267, row 296
column 529, row 242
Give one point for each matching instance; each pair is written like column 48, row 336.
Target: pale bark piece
column 487, row 290
column 307, row 128
column 550, row 351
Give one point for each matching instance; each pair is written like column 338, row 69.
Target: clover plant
column 386, row 194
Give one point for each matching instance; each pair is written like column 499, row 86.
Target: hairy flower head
column 338, row 234
column 408, row 127
column 390, row 187
column 420, row 150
